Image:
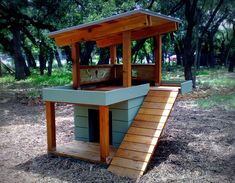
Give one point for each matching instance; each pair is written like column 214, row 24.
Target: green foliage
column 59, row 77
column 218, row 100
column 221, row 86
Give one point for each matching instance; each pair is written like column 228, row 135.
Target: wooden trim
column 96, row 66
column 104, row 132
column 158, row 59
column 126, row 45
column 76, row 65
column 51, row 132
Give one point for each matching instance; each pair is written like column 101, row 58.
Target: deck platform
column 82, row 150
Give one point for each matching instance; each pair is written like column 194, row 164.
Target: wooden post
column 104, row 132
column 76, row 65
column 158, row 59
column 113, row 54
column 126, row 49
column 51, row 133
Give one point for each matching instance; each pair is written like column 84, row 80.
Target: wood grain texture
column 126, row 43
column 134, row 155
column 76, row 65
column 143, row 135
column 123, row 171
column 104, row 132
column 158, row 59
column 138, row 34
column 83, row 150
column 113, row 54
column 102, row 31
column 51, row 130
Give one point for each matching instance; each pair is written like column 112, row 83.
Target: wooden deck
column 82, row 150
column 135, row 151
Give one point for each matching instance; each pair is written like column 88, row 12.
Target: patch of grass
column 202, row 72
column 59, row 77
column 218, row 100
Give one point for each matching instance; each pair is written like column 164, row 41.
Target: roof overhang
column 108, row 31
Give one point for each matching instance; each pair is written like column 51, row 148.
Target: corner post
column 113, row 54
column 126, row 49
column 158, row 59
column 51, row 132
column 104, row 133
column 76, row 65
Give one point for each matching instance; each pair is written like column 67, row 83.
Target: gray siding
column 123, row 114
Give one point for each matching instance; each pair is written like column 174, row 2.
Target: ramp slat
column 134, row 155
column 139, row 143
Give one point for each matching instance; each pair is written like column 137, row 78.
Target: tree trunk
column 67, row 51
column 86, row 53
column 0, row 68
column 20, row 66
column 42, row 60
column 231, row 64
column 29, row 56
column 57, row 57
column 50, row 62
column 104, row 56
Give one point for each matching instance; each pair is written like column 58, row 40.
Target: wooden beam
column 104, row 132
column 113, row 54
column 103, row 30
column 158, row 59
column 136, row 35
column 126, row 51
column 51, row 132
column 76, row 65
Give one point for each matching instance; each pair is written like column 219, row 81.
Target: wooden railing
column 102, row 73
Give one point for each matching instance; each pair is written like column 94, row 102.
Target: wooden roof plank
column 138, row 34
column 90, row 34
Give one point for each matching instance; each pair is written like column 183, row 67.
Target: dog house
column 120, row 110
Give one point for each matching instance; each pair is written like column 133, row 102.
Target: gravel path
column 197, row 146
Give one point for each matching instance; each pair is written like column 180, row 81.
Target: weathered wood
column 104, row 132
column 138, row 34
column 95, row 75
column 158, row 59
column 76, row 65
column 140, row 71
column 126, row 41
column 103, row 30
column 51, row 131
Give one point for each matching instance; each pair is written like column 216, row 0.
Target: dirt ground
column 197, row 146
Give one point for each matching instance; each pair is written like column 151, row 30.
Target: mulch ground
column 197, row 146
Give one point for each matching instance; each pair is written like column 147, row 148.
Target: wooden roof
column 108, row 31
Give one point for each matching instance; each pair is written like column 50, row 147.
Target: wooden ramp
column 138, row 145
